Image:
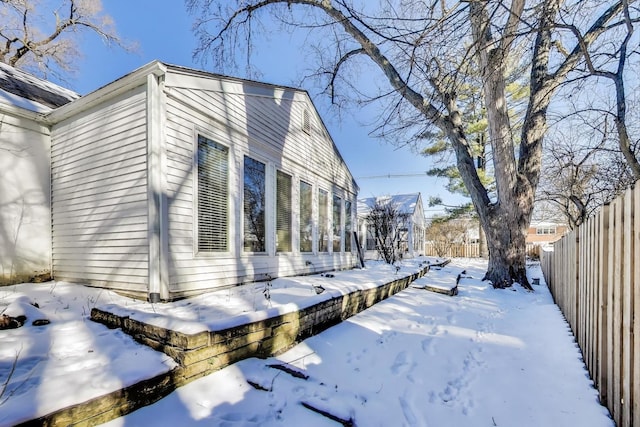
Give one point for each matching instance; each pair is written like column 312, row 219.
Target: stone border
column 203, row 353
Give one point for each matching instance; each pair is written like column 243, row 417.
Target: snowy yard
column 483, row 358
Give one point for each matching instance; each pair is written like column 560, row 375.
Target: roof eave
column 111, row 90
column 23, row 112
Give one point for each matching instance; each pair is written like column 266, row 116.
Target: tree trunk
column 506, row 230
column 483, row 251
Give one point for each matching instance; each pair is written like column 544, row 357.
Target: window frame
column 546, row 231
column 200, row 133
column 337, row 230
column 310, row 223
column 326, row 228
column 265, row 201
column 289, row 247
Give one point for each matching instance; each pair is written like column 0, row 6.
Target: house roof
column 23, row 90
column 159, row 68
column 404, row 203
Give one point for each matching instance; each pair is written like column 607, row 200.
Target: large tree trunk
column 506, row 240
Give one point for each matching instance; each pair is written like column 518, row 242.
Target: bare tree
column 426, row 52
column 42, row 39
column 583, row 168
column 445, row 232
column 610, row 63
column 387, row 225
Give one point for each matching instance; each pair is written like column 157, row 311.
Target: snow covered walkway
column 484, row 358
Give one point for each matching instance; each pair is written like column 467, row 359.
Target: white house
column 412, row 239
column 171, row 181
column 25, row 176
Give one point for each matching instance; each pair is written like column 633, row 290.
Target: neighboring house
column 545, row 233
column 412, row 239
column 171, row 181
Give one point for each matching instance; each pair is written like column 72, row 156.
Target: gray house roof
column 404, row 203
column 23, row 90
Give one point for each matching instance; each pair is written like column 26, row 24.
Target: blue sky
column 162, row 30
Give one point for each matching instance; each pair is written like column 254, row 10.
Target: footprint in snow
column 409, row 413
column 402, row 363
column 428, row 346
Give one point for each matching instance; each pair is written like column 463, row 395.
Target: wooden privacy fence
column 466, row 250
column 452, row 250
column 594, row 276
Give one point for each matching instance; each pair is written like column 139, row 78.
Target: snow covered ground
column 483, row 358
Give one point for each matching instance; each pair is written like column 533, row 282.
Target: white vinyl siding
column 213, row 196
column 263, row 123
column 284, row 226
column 25, row 240
column 99, row 195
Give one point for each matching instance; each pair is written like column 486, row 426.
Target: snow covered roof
column 404, row 203
column 23, row 90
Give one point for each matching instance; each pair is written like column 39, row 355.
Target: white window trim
column 196, row 235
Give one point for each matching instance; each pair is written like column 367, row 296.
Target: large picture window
column 283, row 212
column 323, row 219
column 306, row 219
column 337, row 222
column 254, row 205
column 213, row 196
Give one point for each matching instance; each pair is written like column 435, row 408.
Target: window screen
column 347, row 226
column 213, row 196
column 337, row 210
column 254, row 205
column 283, row 212
column 306, row 220
column 323, row 218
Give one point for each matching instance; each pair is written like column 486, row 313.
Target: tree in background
column 387, row 225
column 426, row 54
column 41, row 36
column 444, row 232
column 583, row 168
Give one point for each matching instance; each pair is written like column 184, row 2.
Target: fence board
column 626, row 301
column 635, row 365
column 593, row 274
column 616, row 257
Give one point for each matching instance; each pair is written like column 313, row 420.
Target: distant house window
column 546, row 230
column 347, row 226
column 213, row 196
column 254, row 205
column 306, row 121
column 337, row 222
column 323, row 219
column 306, row 219
column 283, row 212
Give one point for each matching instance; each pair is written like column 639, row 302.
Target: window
column 254, row 205
column 213, row 196
column 546, row 230
column 306, row 219
column 347, row 226
column 283, row 212
column 337, row 211
column 323, row 218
